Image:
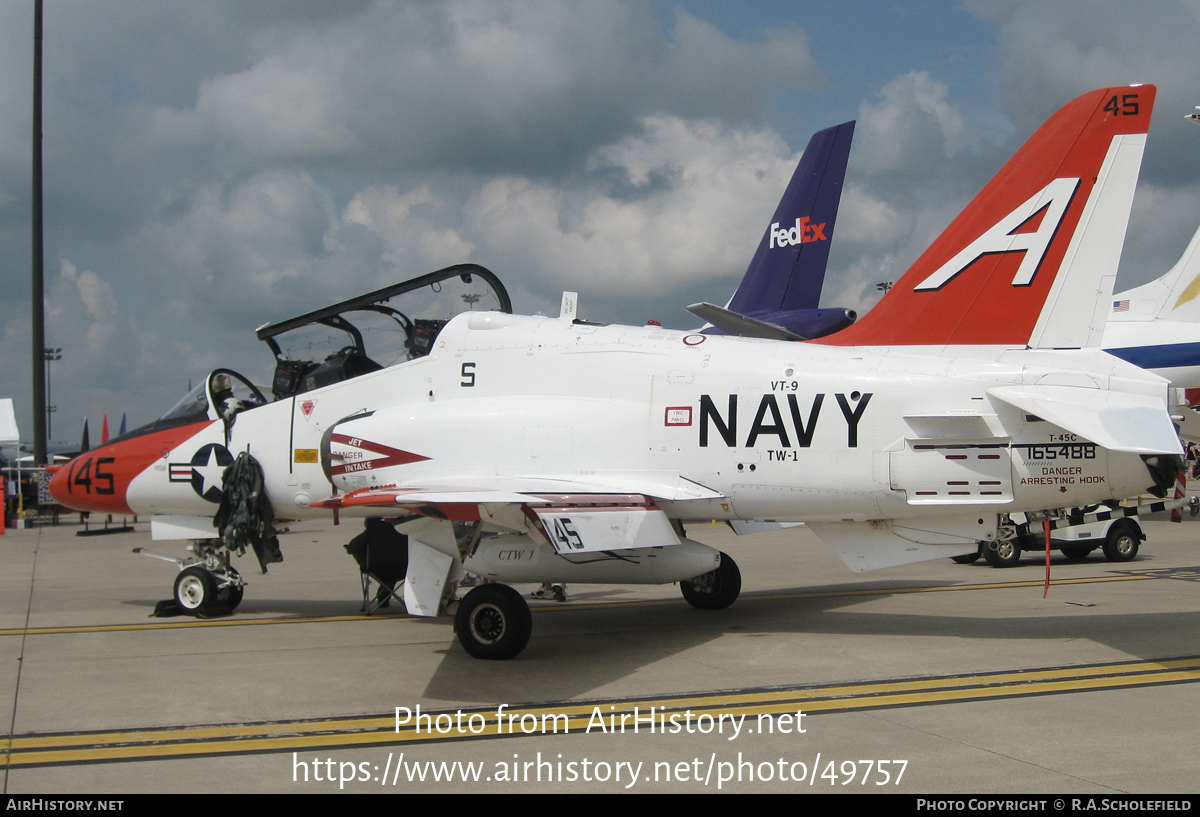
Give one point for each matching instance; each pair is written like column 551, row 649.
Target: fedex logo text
column 804, row 232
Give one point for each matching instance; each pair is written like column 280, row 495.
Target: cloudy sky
column 212, row 166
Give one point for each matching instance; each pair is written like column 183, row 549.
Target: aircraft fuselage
column 711, row 427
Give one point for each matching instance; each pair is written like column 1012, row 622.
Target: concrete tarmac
column 931, row 678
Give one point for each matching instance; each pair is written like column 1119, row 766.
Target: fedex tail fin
column 1032, row 259
column 782, row 286
column 788, row 268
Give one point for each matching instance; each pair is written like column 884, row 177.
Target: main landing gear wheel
column 1002, row 554
column 716, row 589
column 1122, row 542
column 195, row 591
column 493, row 622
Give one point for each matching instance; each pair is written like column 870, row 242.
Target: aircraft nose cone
column 99, row 480
column 91, row 482
column 58, row 486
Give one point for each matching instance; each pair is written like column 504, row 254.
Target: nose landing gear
column 207, row 585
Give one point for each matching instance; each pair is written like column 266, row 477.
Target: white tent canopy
column 8, row 422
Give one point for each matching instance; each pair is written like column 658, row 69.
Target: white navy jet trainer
column 554, row 449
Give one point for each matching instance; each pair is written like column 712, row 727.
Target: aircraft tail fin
column 788, row 268
column 1173, row 297
column 1042, row 238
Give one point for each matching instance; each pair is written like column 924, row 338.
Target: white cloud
column 98, row 300
column 912, row 130
column 510, row 86
column 236, row 248
column 688, row 202
column 271, row 110
column 409, row 226
column 913, row 165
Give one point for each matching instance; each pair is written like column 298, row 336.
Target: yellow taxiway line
column 578, row 717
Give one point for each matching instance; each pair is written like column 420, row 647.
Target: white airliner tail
column 1174, row 297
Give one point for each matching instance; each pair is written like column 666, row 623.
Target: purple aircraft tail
column 781, row 291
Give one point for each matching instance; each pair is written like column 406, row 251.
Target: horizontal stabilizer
column 734, row 324
column 1116, row 420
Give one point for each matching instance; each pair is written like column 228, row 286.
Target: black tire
column 1002, row 554
column 195, row 591
column 716, row 589
column 1076, row 553
column 493, row 622
column 234, row 592
column 969, row 558
column 1121, row 544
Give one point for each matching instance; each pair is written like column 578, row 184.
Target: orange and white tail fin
column 1032, row 259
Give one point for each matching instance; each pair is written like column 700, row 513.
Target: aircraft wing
column 1119, row 421
column 572, row 522
column 410, row 497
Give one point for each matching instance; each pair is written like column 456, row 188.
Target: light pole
column 50, row 355
column 38, row 313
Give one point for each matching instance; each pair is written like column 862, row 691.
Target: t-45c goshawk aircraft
column 531, row 449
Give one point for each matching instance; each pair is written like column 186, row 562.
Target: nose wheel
column 201, row 593
column 195, row 591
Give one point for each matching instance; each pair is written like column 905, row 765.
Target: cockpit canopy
column 325, row 346
column 219, row 396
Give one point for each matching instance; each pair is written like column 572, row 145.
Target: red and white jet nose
column 93, row 482
column 98, row 480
